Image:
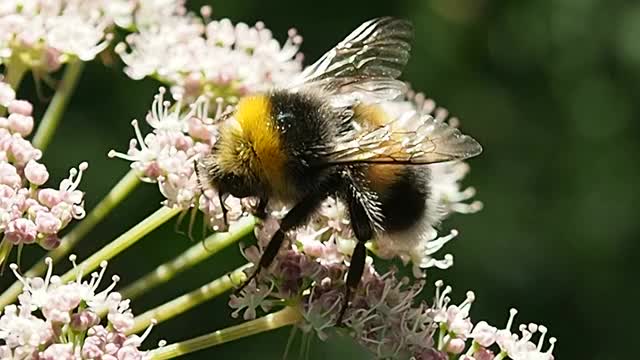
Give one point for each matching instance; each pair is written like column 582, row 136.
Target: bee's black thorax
column 305, row 126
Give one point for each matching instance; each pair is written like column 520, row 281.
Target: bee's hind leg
column 363, row 231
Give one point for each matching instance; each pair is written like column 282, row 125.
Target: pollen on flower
column 56, row 320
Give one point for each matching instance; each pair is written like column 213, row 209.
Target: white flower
column 218, row 59
column 520, row 347
column 70, row 312
column 46, row 34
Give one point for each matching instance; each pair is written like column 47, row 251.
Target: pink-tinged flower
column 167, row 156
column 28, row 212
column 9, row 175
column 7, row 94
column 58, row 352
column 521, row 347
column 21, row 231
column 45, row 35
column 21, row 107
column 214, row 58
column 55, row 320
column 484, row 334
column 21, row 124
column 36, row 173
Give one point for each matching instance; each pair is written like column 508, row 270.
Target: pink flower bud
column 50, row 242
column 484, row 334
column 92, row 348
column 483, row 354
column 52, row 57
column 47, row 223
column 129, row 353
column 21, row 231
column 9, row 176
column 23, row 151
column 36, row 173
column 84, row 320
column 21, row 107
column 7, row 94
column 58, row 352
column 49, row 197
column 63, row 211
column 197, row 129
column 20, row 124
column 121, row 322
column 455, row 346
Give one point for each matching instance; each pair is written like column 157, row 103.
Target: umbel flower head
column 54, row 320
column 180, row 136
column 458, row 336
column 43, row 35
column 29, row 212
column 212, row 57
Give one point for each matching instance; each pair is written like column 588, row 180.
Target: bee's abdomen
column 403, row 192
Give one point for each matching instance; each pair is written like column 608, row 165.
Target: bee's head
column 237, row 185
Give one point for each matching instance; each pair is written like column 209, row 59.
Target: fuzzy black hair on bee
column 324, row 135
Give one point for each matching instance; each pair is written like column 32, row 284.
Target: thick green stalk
column 192, row 256
column 58, row 104
column 119, row 192
column 187, row 301
column 122, row 242
column 285, row 317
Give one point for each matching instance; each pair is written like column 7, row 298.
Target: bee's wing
column 365, row 63
column 411, row 139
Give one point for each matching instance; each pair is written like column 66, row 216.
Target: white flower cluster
column 42, row 35
column 54, row 321
column 30, row 213
column 457, row 331
column 214, row 58
column 167, row 155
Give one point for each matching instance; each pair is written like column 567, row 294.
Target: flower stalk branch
column 119, row 192
column 192, row 256
column 123, row 242
column 56, row 109
column 285, row 317
column 190, row 300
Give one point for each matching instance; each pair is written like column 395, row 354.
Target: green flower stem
column 187, row 301
column 119, row 192
column 5, row 249
column 58, row 104
column 284, row 317
column 500, row 356
column 122, row 242
column 192, row 256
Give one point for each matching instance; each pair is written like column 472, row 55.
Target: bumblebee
column 325, row 135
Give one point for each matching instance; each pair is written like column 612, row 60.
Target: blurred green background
column 550, row 88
